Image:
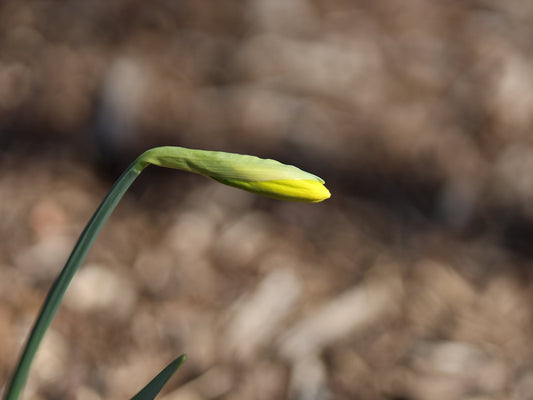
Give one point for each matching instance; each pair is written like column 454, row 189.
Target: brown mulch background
column 414, row 281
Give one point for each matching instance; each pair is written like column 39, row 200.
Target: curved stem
column 59, row 287
column 266, row 177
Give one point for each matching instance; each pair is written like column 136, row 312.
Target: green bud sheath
column 262, row 176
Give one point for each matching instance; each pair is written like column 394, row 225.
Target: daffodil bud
column 262, row 176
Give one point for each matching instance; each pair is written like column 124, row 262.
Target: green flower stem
column 265, row 177
column 58, row 289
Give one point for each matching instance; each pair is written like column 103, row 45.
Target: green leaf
column 150, row 391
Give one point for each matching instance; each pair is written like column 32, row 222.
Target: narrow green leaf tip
column 152, row 389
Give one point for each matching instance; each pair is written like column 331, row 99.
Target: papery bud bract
column 262, row 176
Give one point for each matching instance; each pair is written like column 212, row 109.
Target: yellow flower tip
column 302, row 190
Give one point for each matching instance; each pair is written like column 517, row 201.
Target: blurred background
column 414, row 281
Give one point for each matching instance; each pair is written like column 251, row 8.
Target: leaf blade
column 152, row 389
